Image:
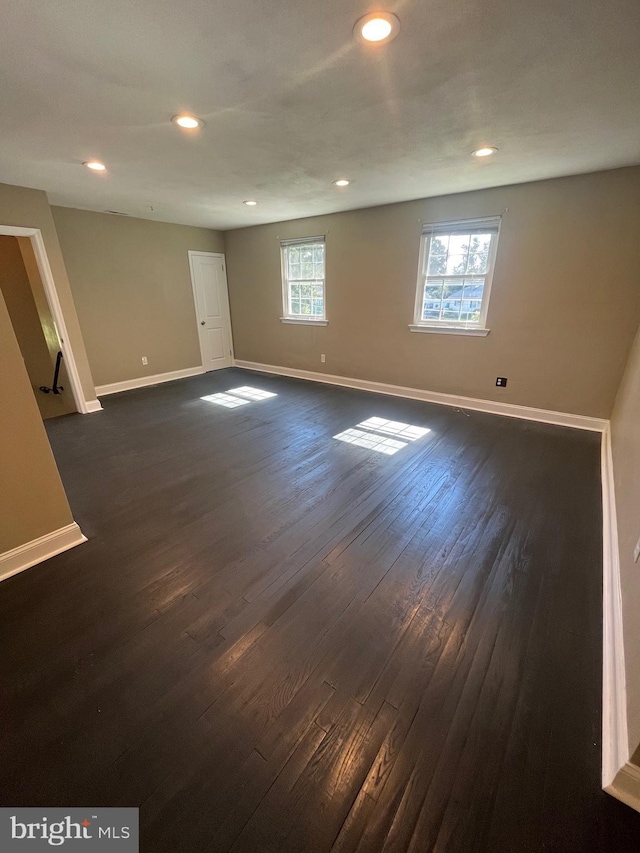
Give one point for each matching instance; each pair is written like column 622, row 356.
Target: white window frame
column 302, row 319
column 448, row 327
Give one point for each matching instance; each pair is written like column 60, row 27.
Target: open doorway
column 29, row 291
column 34, row 328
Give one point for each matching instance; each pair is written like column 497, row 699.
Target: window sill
column 297, row 321
column 475, row 331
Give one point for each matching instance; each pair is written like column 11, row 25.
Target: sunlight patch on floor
column 411, row 433
column 251, row 393
column 375, row 434
column 226, row 400
column 379, row 443
column 236, row 397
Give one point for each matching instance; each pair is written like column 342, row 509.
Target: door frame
column 192, row 254
column 48, row 282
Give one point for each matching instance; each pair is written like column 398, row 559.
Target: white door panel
column 215, row 343
column 212, row 309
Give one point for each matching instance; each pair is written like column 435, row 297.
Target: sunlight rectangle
column 251, row 393
column 226, row 400
column 379, row 443
column 407, row 431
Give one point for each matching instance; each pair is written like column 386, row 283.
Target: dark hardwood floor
column 275, row 641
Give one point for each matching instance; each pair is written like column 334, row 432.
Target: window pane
column 479, row 253
column 451, row 300
column 472, row 299
column 432, row 300
column 451, row 310
column 438, row 245
column 437, row 264
column 477, row 263
column 317, row 307
column 433, row 289
column 452, row 290
column 431, row 314
column 456, row 264
column 459, row 244
column 295, row 306
column 306, row 262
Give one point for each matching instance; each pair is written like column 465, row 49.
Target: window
column 454, row 281
column 303, row 280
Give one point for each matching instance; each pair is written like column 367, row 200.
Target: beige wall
column 132, row 287
column 625, row 439
column 30, row 208
column 32, row 499
column 564, row 308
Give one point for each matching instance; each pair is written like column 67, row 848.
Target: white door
column 212, row 309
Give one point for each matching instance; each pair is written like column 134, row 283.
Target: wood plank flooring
column 276, row 641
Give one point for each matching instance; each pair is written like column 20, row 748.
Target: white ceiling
column 291, row 101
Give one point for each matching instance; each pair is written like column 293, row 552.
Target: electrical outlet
column 322, row 358
column 145, row 360
column 636, row 552
column 501, row 381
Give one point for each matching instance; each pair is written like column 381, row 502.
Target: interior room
column 320, row 432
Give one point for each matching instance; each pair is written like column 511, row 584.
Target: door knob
column 202, row 322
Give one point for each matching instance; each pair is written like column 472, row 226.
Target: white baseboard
column 491, row 406
column 93, row 406
column 38, row 550
column 615, row 745
column 626, row 786
column 143, row 381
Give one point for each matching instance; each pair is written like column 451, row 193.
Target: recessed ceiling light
column 95, row 165
column 343, row 182
column 484, row 152
column 377, row 27
column 188, row 122
column 250, row 203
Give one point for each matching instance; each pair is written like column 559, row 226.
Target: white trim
column 450, row 330
column 295, row 321
column 491, row 406
column 615, row 746
column 143, row 381
column 51, row 293
column 626, row 786
column 38, row 550
column 93, row 405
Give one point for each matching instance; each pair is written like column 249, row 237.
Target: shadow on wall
column 32, row 323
